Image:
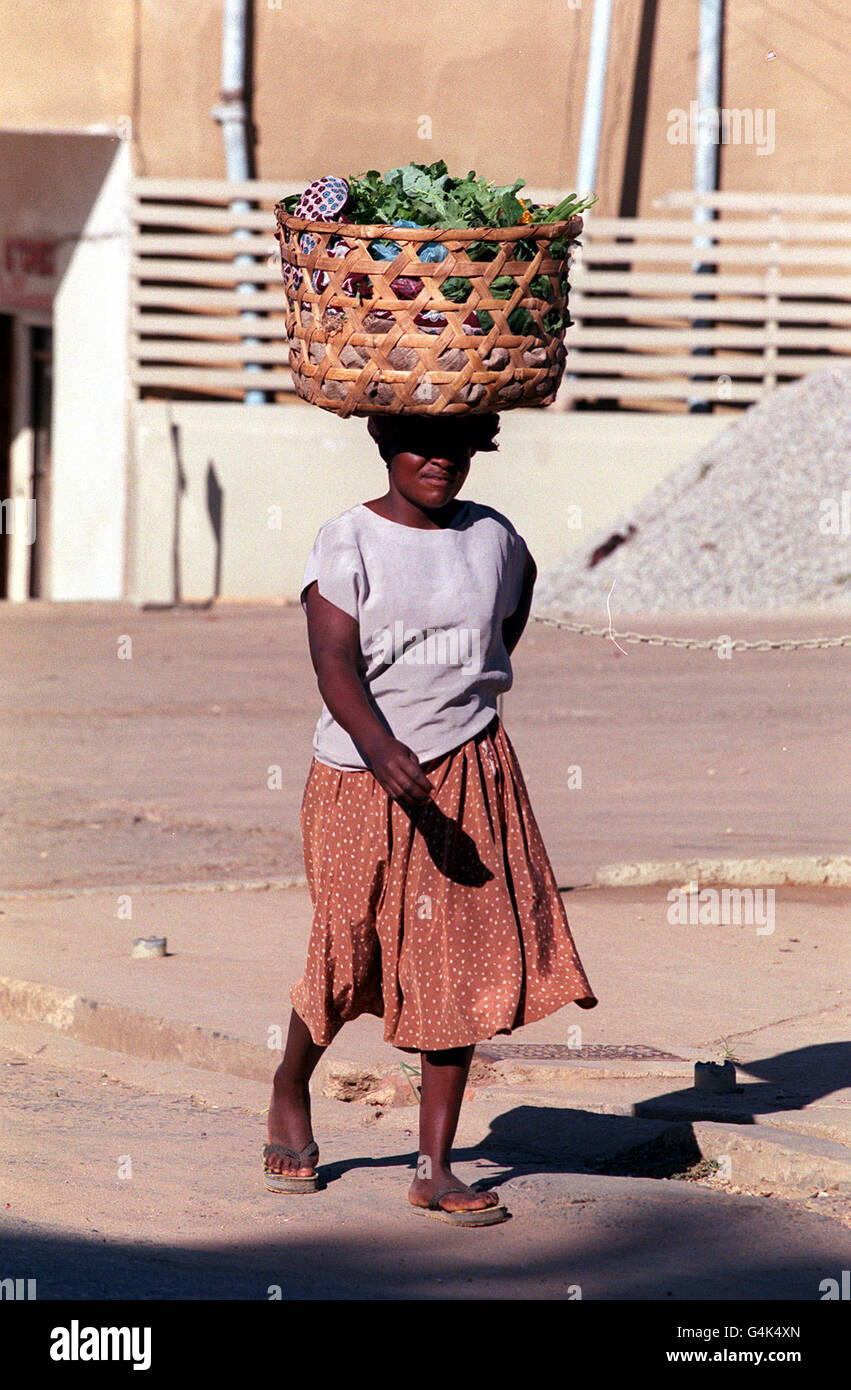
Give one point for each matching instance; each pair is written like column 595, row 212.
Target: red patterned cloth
column 445, row 920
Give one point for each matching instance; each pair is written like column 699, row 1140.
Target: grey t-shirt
column 430, row 607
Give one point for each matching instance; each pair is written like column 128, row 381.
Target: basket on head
column 379, row 337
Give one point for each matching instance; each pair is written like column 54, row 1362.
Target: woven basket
column 356, row 348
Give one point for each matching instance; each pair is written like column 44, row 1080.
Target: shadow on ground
column 715, row 1250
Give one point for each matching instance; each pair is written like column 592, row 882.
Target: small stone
column 712, row 1076
column 497, row 359
column 425, row 393
column 472, row 393
column 352, row 356
column 381, row 393
column 452, row 360
column 402, row 359
column 382, row 1096
column 374, row 323
column 511, row 391
column 148, row 947
column 535, row 357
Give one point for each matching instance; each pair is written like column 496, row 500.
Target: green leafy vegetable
column 430, row 196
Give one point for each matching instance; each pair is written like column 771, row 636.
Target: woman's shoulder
column 342, row 526
column 480, row 512
column 349, row 515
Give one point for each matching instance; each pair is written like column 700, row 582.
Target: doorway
column 6, row 369
column 26, row 396
column 41, row 398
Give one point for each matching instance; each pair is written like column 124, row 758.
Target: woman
column 435, row 904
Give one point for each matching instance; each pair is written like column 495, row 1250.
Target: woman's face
column 431, row 470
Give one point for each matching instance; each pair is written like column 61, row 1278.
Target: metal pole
column 592, row 113
column 232, row 115
column 595, row 93
column 709, row 47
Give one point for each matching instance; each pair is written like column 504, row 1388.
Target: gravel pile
column 758, row 519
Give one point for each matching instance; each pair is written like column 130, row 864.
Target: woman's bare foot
column 422, row 1190
column 289, row 1124
column 444, row 1075
column 289, row 1108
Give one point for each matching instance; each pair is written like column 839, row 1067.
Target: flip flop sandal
column 484, row 1216
column 289, row 1182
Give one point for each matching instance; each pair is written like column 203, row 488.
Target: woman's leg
column 444, row 1076
column 289, row 1108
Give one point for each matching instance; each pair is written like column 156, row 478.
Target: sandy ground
column 144, row 1189
column 130, row 1174
column 157, row 768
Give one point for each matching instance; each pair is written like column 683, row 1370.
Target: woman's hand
column 399, row 771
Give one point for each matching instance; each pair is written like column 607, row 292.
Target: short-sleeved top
column 430, row 605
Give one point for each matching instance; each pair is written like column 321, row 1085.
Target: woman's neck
column 394, row 507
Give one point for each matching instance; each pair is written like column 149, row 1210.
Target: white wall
column 72, row 189
column 312, row 465
column 90, row 397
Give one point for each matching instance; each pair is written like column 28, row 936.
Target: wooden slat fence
column 650, row 326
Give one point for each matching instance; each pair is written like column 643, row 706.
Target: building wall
column 72, row 191
column 345, row 84
column 89, row 467
column 66, row 64
column 227, row 499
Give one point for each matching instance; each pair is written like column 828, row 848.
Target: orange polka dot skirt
column 444, row 919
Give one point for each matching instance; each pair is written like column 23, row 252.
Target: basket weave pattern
column 357, row 350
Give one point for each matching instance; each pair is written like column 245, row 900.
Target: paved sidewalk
column 159, row 1194
column 670, row 995
column 130, row 782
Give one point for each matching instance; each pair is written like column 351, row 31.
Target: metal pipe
column 595, row 94
column 711, row 15
column 232, row 115
column 592, row 111
column 708, row 135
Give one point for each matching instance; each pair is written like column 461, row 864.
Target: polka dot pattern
column 444, row 919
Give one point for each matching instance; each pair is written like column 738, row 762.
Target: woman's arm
column 512, row 627
column 334, row 641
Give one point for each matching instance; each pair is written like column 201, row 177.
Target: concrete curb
column 814, row 871
column 756, row 1152
column 123, row 1029
column 212, row 885
column 126, row 1030
column 826, row 871
column 753, row 1156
